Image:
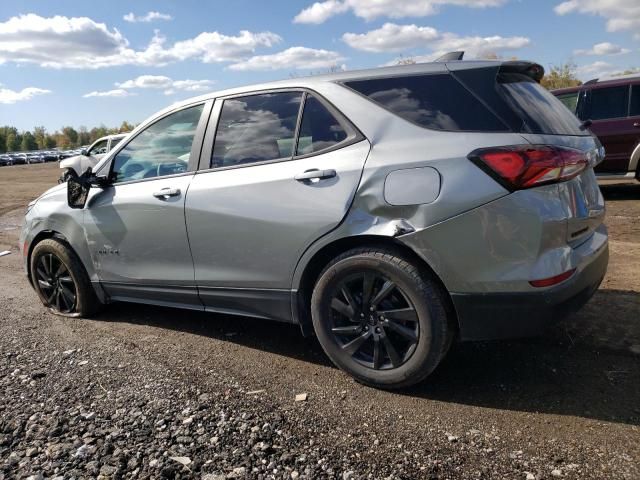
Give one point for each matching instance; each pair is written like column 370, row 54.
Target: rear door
column 607, row 108
column 280, row 171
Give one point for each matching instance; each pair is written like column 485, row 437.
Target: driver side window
column 163, row 148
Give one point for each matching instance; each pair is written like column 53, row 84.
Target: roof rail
column 447, row 57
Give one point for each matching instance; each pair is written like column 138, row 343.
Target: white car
column 90, row 157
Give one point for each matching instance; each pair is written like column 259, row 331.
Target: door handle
column 315, row 174
column 167, row 192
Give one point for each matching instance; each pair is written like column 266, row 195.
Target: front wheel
column 61, row 281
column 380, row 319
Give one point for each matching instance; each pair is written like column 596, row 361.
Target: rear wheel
column 61, row 281
column 379, row 318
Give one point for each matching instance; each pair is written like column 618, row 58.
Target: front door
column 268, row 196
column 135, row 227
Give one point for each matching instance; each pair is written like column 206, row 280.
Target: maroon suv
column 613, row 106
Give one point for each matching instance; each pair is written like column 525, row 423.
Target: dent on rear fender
column 499, row 246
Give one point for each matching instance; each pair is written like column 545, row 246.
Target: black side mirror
column 78, row 187
column 84, row 152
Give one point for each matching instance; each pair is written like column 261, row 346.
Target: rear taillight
column 526, row 166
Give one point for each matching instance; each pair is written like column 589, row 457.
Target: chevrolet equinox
column 388, row 211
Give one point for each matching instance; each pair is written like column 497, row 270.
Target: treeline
column 12, row 140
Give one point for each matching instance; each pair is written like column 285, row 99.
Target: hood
column 71, row 162
column 80, row 163
column 52, row 190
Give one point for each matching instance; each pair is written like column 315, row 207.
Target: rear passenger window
column 609, row 102
column 435, row 101
column 256, row 128
column 319, row 129
column 635, row 101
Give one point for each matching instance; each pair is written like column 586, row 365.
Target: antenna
column 447, row 57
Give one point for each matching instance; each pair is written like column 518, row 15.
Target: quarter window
column 161, row 149
column 319, row 129
column 635, row 101
column 435, row 101
column 609, row 102
column 256, row 128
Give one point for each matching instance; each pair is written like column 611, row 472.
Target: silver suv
column 388, row 211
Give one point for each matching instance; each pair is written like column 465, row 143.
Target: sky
column 73, row 62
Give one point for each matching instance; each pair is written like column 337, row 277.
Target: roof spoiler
column 447, row 57
column 530, row 69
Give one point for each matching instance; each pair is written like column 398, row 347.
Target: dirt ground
column 565, row 405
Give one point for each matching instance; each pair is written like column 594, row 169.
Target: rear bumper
column 491, row 316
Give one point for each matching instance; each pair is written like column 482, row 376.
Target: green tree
column 13, row 142
column 561, row 76
column 50, row 142
column 40, row 134
column 84, row 138
column 3, row 143
column 71, row 136
column 28, row 142
column 125, row 127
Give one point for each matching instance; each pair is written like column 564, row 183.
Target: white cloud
column 80, row 42
column 149, row 17
column 620, row 14
column 292, row 58
column 8, row 96
column 392, row 38
column 476, row 46
column 319, row 12
column 595, row 70
column 147, row 81
column 169, row 85
column 118, row 92
column 604, row 48
column 193, row 85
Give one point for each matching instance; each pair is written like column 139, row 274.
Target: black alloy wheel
column 55, row 283
column 374, row 321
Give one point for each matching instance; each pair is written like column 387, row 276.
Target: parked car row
column 610, row 108
column 98, row 148
column 25, row 158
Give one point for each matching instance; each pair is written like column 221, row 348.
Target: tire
column 69, row 291
column 409, row 312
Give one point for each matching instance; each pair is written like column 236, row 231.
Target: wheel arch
column 46, row 234
column 320, row 259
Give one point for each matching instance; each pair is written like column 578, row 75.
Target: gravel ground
column 145, row 392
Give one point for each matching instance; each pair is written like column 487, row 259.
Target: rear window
column 540, row 111
column 436, row 101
